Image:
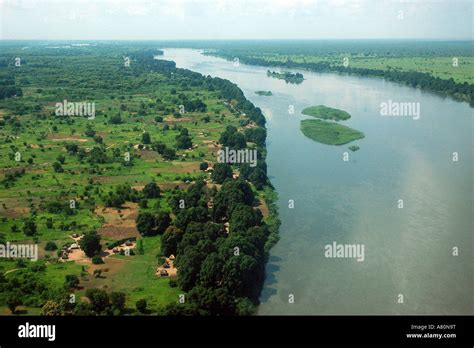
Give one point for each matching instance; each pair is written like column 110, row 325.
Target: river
column 408, row 266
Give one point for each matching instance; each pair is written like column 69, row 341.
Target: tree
column 90, row 243
column 50, row 246
column 169, row 154
column 58, row 168
column 97, row 260
column 146, row 139
column 214, row 301
column 158, row 147
column 117, row 300
column 162, row 221
column 170, row 240
column 115, row 120
column 49, row 223
column 221, row 172
column 258, row 178
column 183, row 142
column 256, row 135
column 98, row 298
column 211, row 271
column 241, row 276
column 29, row 228
column 229, row 196
column 203, row 166
column 141, row 305
column 151, row 190
column 97, row 155
column 245, row 307
column 243, row 217
column 89, row 132
column 72, row 281
column 189, row 264
column 193, row 214
column 72, row 148
column 12, row 301
column 146, row 224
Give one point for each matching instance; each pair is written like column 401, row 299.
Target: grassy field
column 329, row 133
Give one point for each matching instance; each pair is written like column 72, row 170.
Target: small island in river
column 354, row 148
column 265, row 93
column 287, row 76
column 326, row 113
column 328, row 132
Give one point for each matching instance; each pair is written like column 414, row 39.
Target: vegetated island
column 326, row 113
column 265, row 93
column 329, row 133
column 354, row 148
column 289, row 77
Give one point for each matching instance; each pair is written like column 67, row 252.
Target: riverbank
column 323, row 198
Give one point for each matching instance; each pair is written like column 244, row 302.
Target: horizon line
column 259, row 39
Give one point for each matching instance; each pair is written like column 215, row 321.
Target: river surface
column 407, row 251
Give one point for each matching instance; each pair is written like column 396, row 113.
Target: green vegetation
column 326, row 113
column 264, row 93
column 354, row 148
column 329, row 133
column 133, row 174
column 289, row 77
column 444, row 67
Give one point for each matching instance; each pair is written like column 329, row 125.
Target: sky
column 235, row 19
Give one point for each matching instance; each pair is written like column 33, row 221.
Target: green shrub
column 50, row 246
column 141, row 305
column 97, row 260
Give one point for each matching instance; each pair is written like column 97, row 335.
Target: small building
column 164, row 273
